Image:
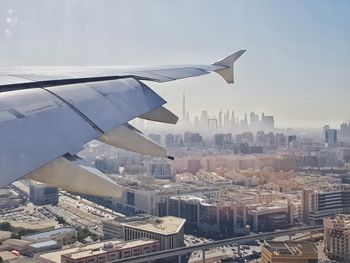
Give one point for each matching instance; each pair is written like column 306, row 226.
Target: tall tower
column 220, row 119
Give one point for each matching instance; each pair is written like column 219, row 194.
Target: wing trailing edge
column 129, row 138
column 160, row 114
column 65, row 174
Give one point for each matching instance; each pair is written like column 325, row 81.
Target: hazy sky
column 296, row 65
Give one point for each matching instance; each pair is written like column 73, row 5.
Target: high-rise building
column 280, row 139
column 267, row 123
column 345, row 129
column 318, row 205
column 192, row 138
column 288, row 251
column 220, row 119
column 41, row 194
column 337, row 238
column 330, row 136
column 212, row 125
column 106, row 165
column 220, row 139
column 291, row 138
column 254, row 121
column 160, row 170
column 233, row 120
column 204, row 121
column 169, row 140
column 245, row 137
column 227, row 121
column 265, row 139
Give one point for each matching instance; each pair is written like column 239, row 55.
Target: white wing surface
column 48, row 114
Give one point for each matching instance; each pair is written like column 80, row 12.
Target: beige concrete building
column 101, row 251
column 22, row 246
column 7, row 256
column 4, row 235
column 337, row 237
column 288, row 251
column 168, row 230
column 112, row 251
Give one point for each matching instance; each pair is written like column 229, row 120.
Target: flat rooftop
column 50, row 233
column 167, row 225
column 117, row 247
column 55, row 256
column 341, row 221
column 290, row 248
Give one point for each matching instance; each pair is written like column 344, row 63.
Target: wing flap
column 109, row 104
column 38, row 126
column 76, row 178
column 130, row 139
column 42, row 129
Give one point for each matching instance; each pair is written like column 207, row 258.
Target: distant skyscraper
column 267, row 123
column 212, row 125
column 330, row 136
column 254, row 121
column 196, row 123
column 204, row 120
column 220, row 119
column 345, row 129
column 160, row 170
column 292, row 138
column 227, row 121
column 244, row 126
column 169, row 139
column 186, row 122
column 233, row 120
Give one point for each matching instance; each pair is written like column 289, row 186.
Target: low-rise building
column 7, row 256
column 114, row 228
column 41, row 194
column 288, row 251
column 45, row 246
column 4, row 235
column 168, row 230
column 101, row 251
column 22, row 246
column 63, row 235
column 8, row 199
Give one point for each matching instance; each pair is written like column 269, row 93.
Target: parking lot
column 226, row 252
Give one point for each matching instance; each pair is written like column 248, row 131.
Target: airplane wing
column 48, row 114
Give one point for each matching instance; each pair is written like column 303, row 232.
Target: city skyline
column 295, row 66
column 105, row 161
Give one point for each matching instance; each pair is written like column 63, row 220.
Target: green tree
column 5, row 226
column 61, row 220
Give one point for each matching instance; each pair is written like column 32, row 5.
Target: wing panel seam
column 76, row 110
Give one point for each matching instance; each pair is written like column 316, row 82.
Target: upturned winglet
column 227, row 63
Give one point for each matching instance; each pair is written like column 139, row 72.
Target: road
column 220, row 243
